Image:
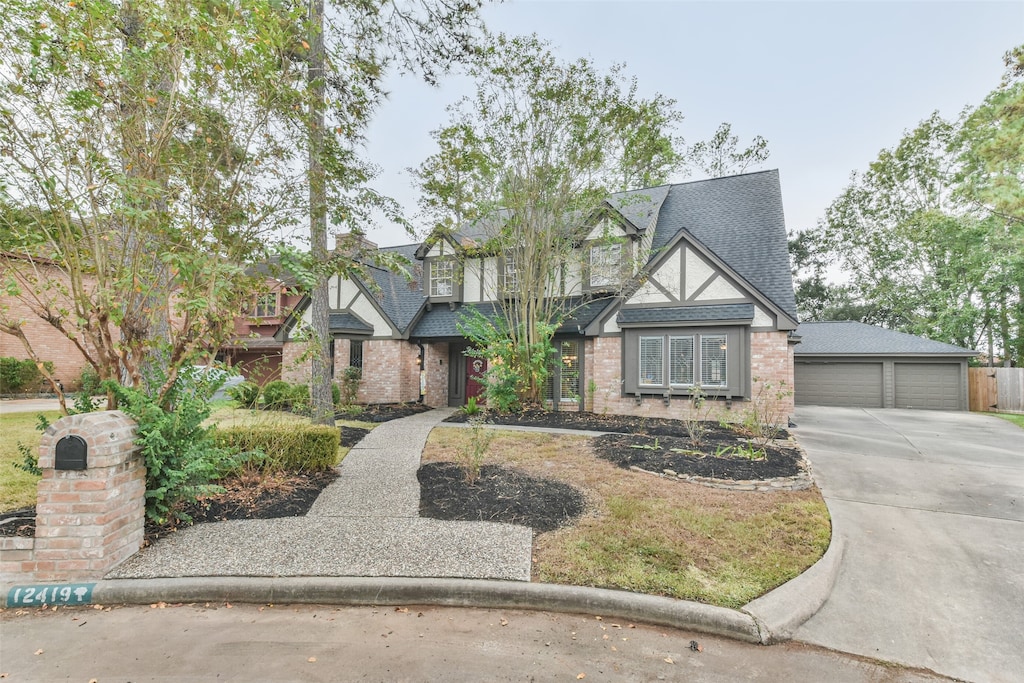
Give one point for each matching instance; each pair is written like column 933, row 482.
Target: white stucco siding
column 471, row 281
column 362, row 307
column 762, row 318
column 332, row 293
column 669, row 274
column 698, row 271
column 648, row 294
column 490, row 279
column 718, row 290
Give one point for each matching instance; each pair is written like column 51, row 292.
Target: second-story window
column 266, row 305
column 442, row 278
column 511, row 272
column 605, row 265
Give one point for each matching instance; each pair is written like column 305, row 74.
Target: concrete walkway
column 364, row 524
column 931, row 505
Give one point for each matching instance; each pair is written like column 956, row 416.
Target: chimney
column 353, row 244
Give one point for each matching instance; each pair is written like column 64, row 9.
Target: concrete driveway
column 932, row 507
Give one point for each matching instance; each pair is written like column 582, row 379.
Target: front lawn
column 18, row 487
column 657, row 535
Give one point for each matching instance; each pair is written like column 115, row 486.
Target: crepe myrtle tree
column 151, row 150
column 526, row 161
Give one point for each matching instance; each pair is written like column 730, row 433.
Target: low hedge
column 284, row 447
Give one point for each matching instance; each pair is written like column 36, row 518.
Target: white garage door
column 857, row 385
column 929, row 386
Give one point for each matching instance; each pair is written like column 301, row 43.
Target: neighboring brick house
column 255, row 351
column 710, row 303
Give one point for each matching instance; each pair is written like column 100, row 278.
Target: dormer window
column 442, row 278
column 605, row 265
column 266, row 305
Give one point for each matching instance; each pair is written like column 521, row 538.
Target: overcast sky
column 829, row 84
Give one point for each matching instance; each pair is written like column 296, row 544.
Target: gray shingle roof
column 442, row 320
column 686, row 314
column 399, row 297
column 346, row 322
column 849, row 337
column 639, row 206
column 740, row 220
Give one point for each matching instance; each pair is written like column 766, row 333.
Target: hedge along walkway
column 364, row 524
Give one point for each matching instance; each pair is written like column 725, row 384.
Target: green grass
column 1011, row 417
column 17, row 487
column 653, row 535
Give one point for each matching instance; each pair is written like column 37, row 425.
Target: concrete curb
column 624, row 605
column 780, row 612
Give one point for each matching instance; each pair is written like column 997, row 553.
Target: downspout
column 423, row 370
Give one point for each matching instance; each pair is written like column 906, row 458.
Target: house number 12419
column 59, row 594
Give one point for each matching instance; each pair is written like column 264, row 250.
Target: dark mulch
column 656, row 454
column 383, row 412
column 350, row 436
column 584, row 420
column 18, row 523
column 500, row 494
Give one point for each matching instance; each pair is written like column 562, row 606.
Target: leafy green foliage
column 20, row 376
column 182, row 458
column 526, row 160
column 471, row 407
column 283, row 446
column 276, row 395
column 512, row 362
column 246, row 394
column 719, row 156
column 471, row 456
column 350, row 379
column 931, row 235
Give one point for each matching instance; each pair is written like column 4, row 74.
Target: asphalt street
column 186, row 643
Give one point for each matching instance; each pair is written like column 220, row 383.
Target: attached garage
column 850, row 364
column 838, row 384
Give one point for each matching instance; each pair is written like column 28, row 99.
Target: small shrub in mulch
column 500, row 494
column 656, row 454
column 584, row 420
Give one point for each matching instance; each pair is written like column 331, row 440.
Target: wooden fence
column 996, row 389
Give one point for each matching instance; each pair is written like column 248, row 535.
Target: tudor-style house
column 675, row 287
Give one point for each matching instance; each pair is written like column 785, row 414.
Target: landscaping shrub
column 298, row 398
column 349, row 389
column 245, row 394
column 182, row 459
column 284, row 447
column 20, row 376
column 89, row 380
column 275, row 394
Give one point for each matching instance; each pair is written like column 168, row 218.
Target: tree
column 150, row 151
column 719, row 155
column 932, row 234
column 527, row 160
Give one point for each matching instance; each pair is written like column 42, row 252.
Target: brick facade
column 771, row 360
column 48, row 343
column 391, row 371
column 87, row 521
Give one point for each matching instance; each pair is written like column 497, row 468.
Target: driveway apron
column 932, row 507
column 366, row 523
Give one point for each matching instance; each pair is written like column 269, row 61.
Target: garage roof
column 848, row 337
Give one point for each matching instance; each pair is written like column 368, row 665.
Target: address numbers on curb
column 51, row 594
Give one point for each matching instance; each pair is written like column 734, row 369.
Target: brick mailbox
column 91, row 500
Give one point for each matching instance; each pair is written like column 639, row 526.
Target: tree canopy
column 931, row 235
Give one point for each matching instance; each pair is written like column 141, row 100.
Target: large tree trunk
column 320, row 382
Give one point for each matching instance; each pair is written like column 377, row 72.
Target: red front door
column 475, row 370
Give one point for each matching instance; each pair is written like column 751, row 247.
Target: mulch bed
column 384, row 412
column 595, row 422
column 350, row 436
column 18, row 523
column 656, row 454
column 500, row 494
